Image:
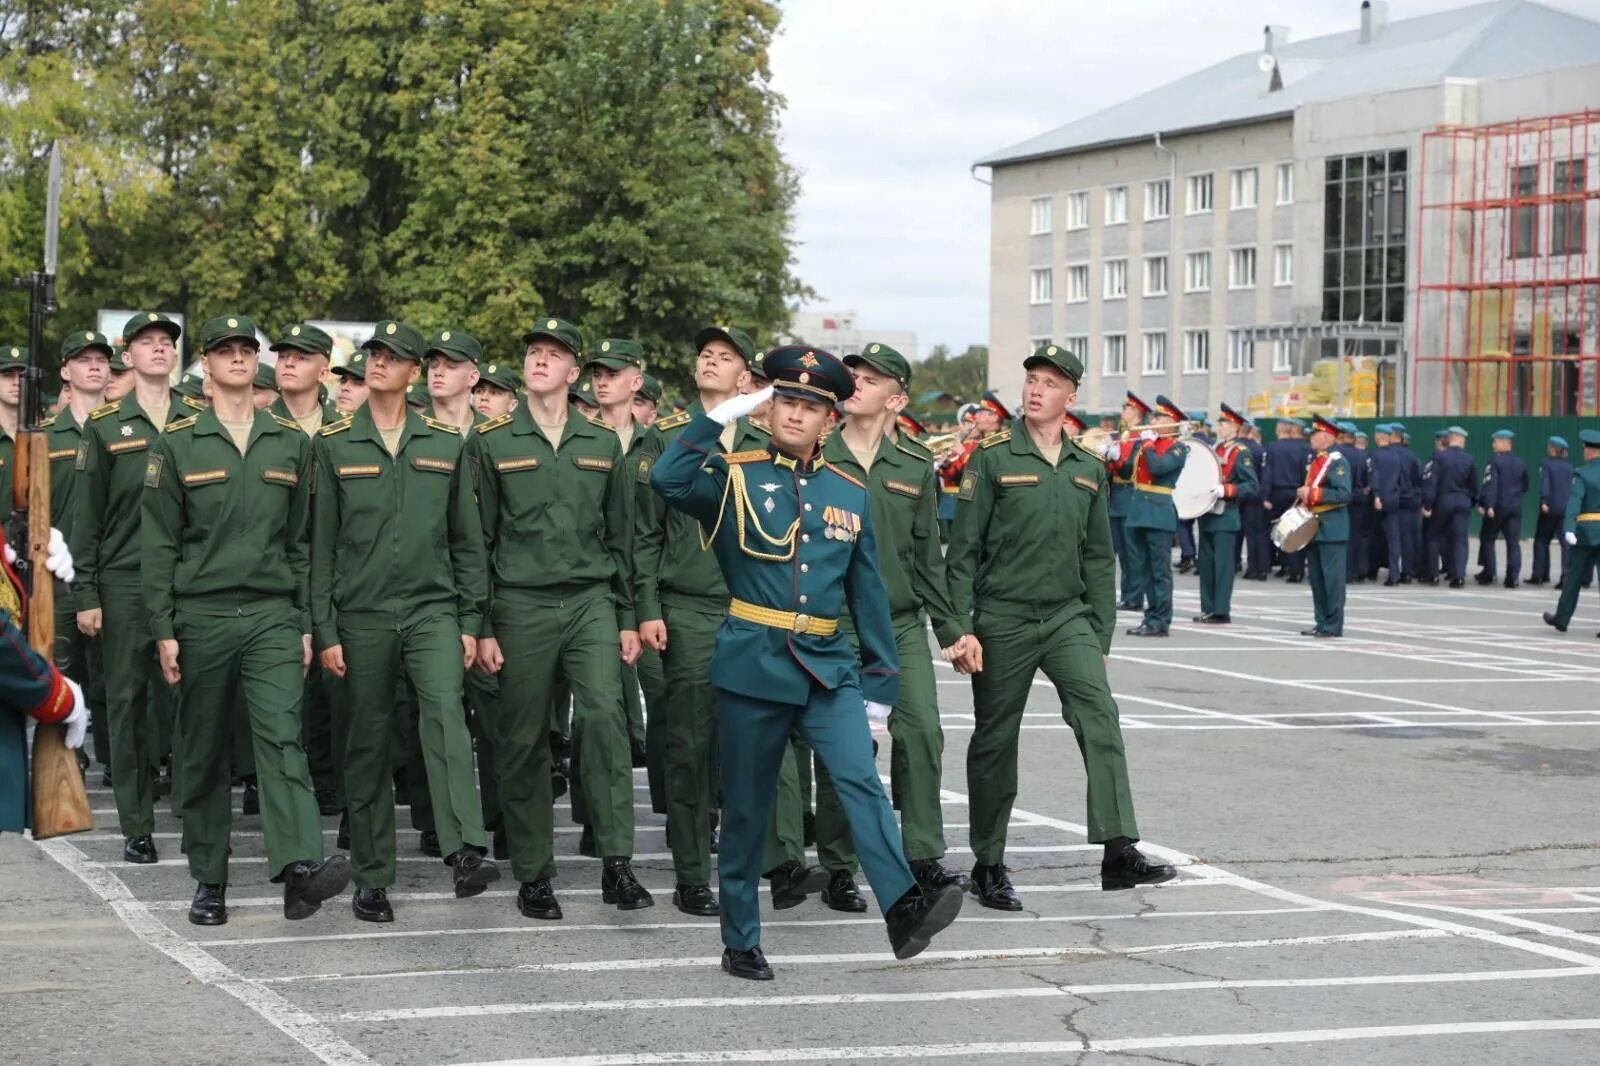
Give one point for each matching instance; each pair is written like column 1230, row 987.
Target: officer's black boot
column 536, row 899
column 372, row 905
column 1124, row 867
column 749, row 964
column 210, row 906
column 618, row 885
column 472, row 872
column 842, row 893
column 791, row 883
column 697, row 900
column 931, row 874
column 918, row 916
column 307, row 884
column 141, row 850
column 992, row 886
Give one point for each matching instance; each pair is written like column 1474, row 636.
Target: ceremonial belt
column 789, row 620
column 1589, row 516
column 1162, row 489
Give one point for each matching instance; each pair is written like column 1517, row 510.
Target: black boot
column 697, row 900
column 141, row 849
column 1145, row 629
column 750, row 965
column 472, row 872
column 992, row 886
column 918, row 916
column 1550, row 620
column 931, row 875
column 372, row 905
column 791, row 883
column 842, row 894
column 1124, row 867
column 536, row 899
column 307, row 884
column 210, row 905
column 328, row 801
column 619, row 886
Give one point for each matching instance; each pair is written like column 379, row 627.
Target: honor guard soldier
column 1505, row 482
column 1326, row 492
column 264, row 387
column 795, row 539
column 352, row 390
column 106, row 550
column 1119, row 459
column 554, row 499
column 1555, row 484
column 1031, row 565
column 1152, row 518
column 226, row 574
column 1220, row 527
column 1455, row 493
column 1580, row 529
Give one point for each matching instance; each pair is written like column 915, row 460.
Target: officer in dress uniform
column 1326, row 491
column 1220, row 526
column 1119, row 461
column 1353, row 443
column 1256, row 529
column 1505, row 482
column 1455, row 493
column 795, row 540
column 1283, row 473
column 1580, row 529
column 1152, row 517
column 1555, row 485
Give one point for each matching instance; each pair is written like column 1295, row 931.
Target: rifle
column 60, row 804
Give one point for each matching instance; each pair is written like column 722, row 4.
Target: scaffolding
column 1507, row 314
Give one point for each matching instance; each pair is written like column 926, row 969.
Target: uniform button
column 805, row 568
column 808, row 507
column 805, row 538
column 802, row 599
column 802, row 481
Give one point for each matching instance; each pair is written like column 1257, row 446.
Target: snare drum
column 1295, row 528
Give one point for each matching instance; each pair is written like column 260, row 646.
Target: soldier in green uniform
column 1327, row 492
column 1030, row 561
column 794, row 537
column 106, row 548
column 682, row 599
column 226, row 574
column 352, row 390
column 1152, row 519
column 264, row 387
column 554, row 498
column 13, row 361
column 904, row 490
column 1219, row 528
column 390, row 476
column 1580, row 529
column 495, row 394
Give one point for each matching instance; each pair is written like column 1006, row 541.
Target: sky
column 890, row 101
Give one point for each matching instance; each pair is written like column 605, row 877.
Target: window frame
column 1208, row 178
column 1077, row 269
column 1236, row 188
column 1034, row 288
column 1282, row 171
column 1145, row 336
column 1105, row 354
column 1145, row 288
column 1121, row 196
column 1282, row 279
column 1190, row 364
column 1149, row 188
column 1106, row 274
column 1034, row 203
column 1235, row 256
column 1238, row 343
column 1188, row 277
column 1075, row 221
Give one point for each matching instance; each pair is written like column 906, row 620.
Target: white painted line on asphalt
column 845, row 999
column 1502, row 917
column 1246, row 718
column 1397, row 724
column 1536, row 910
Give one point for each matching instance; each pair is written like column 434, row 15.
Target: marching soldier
column 1119, row 457
column 1219, row 528
column 1044, row 602
column 798, row 545
column 1455, row 494
column 226, row 569
column 352, row 391
column 495, row 394
column 1152, row 519
column 450, row 369
column 1580, row 529
column 1505, row 482
column 1326, row 492
column 1555, row 484
column 122, row 376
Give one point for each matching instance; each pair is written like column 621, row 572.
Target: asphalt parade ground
column 1389, row 851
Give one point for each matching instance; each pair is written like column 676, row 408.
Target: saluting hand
column 490, row 658
column 168, row 651
column 631, row 648
column 333, row 660
column 654, row 635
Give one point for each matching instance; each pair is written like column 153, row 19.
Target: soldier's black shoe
column 1200, row 617
column 586, row 842
column 163, row 781
column 1550, row 620
column 328, row 801
column 931, row 874
column 1125, row 867
column 536, row 899
column 842, row 893
column 918, row 916
column 697, row 900
column 1312, row 633
column 342, row 841
column 1483, row 579
column 1510, row 584
column 502, row 846
column 140, row 849
column 1215, row 619
column 1295, row 579
column 750, row 965
column 1457, row 583
column 307, row 884
column 791, row 883
column 619, row 886
column 251, row 803
column 372, row 905
column 210, row 905
column 636, row 749
column 472, row 872
column 1390, row 582
column 992, row 886
column 808, row 828
column 1145, row 629
column 1406, row 579
column 428, row 844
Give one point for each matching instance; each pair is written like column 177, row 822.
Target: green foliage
column 963, row 376
column 465, row 163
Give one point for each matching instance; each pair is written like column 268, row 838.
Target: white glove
column 1111, row 449
column 878, row 712
column 1148, row 435
column 77, row 722
column 57, row 559
column 1570, row 538
column 738, row 406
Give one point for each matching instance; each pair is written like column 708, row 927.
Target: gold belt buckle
column 802, row 623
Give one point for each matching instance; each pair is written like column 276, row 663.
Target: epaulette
column 1092, row 455
column 997, row 437
column 754, row 455
column 494, row 423
column 682, row 418
column 47, row 423
column 287, row 423
column 914, row 448
column 190, row 401
column 596, row 420
column 105, row 409
column 443, row 427
column 847, row 477
column 336, row 427
column 762, row 426
column 185, row 423
column 1335, row 453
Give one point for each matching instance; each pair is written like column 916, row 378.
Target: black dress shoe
column 586, row 843
column 210, row 905
column 1510, row 584
column 307, row 884
column 1144, row 629
column 1215, row 619
column 1406, row 579
column 428, row 844
column 842, row 893
column 342, row 840
column 141, row 849
column 636, row 750
column 536, row 899
column 328, row 801
column 1295, row 579
column 372, row 905
column 1125, row 868
column 992, row 886
column 1429, row 581
column 697, row 900
column 931, row 874
column 750, row 965
column 1550, row 620
column 918, row 916
column 618, row 885
column 502, row 847
column 250, row 805
column 1457, row 583
column 472, row 872
column 1311, row 632
column 791, row 883
column 1483, row 579
column 1200, row 617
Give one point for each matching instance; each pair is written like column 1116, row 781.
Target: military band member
column 1119, row 458
column 795, row 540
column 1555, row 484
column 1219, row 528
column 1580, row 529
column 226, row 574
column 1152, row 518
column 1030, row 563
column 1505, row 482
column 1326, row 492
column 352, row 391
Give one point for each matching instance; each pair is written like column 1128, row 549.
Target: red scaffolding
column 1507, row 314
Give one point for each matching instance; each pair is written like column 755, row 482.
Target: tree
column 963, row 376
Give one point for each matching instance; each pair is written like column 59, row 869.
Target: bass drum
column 1295, row 528
column 1193, row 495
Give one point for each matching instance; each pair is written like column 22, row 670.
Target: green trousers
column 428, row 644
column 786, row 823
column 78, row 657
column 482, row 695
column 133, row 717
column 687, row 712
column 1326, row 571
column 1581, row 560
column 1216, row 570
column 316, row 727
column 652, row 683
column 916, row 750
column 1069, row 654
column 576, row 637
column 256, row 655
column 633, row 700
column 1150, row 563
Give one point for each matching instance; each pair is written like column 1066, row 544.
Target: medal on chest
column 839, row 524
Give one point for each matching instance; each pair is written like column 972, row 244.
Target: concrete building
column 1250, row 233
column 837, row 332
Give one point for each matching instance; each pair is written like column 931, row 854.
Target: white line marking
column 1504, row 918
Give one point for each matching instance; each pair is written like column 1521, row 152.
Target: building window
column 1115, row 279
column 1115, row 357
column 1283, row 264
column 1157, row 199
column 1117, row 205
column 1525, row 217
column 1039, row 285
column 1196, row 351
column 1199, row 194
column 1035, row 343
column 1566, row 221
column 1155, row 353
column 1243, row 188
column 1079, row 347
column 1039, row 215
column 1242, row 268
column 1241, row 352
column 1285, row 172
column 1077, row 210
column 1282, row 356
column 1364, row 240
column 1155, row 275
column 1077, row 283
column 1197, row 272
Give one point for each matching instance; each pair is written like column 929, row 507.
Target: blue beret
column 1440, row 434
column 1397, row 427
column 1360, row 434
column 1590, row 438
column 1503, row 434
column 1556, row 442
column 1456, row 431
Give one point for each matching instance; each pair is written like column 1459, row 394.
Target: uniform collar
column 206, row 421
column 330, row 413
column 128, row 407
column 837, row 450
column 578, row 423
column 362, row 427
column 784, row 461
